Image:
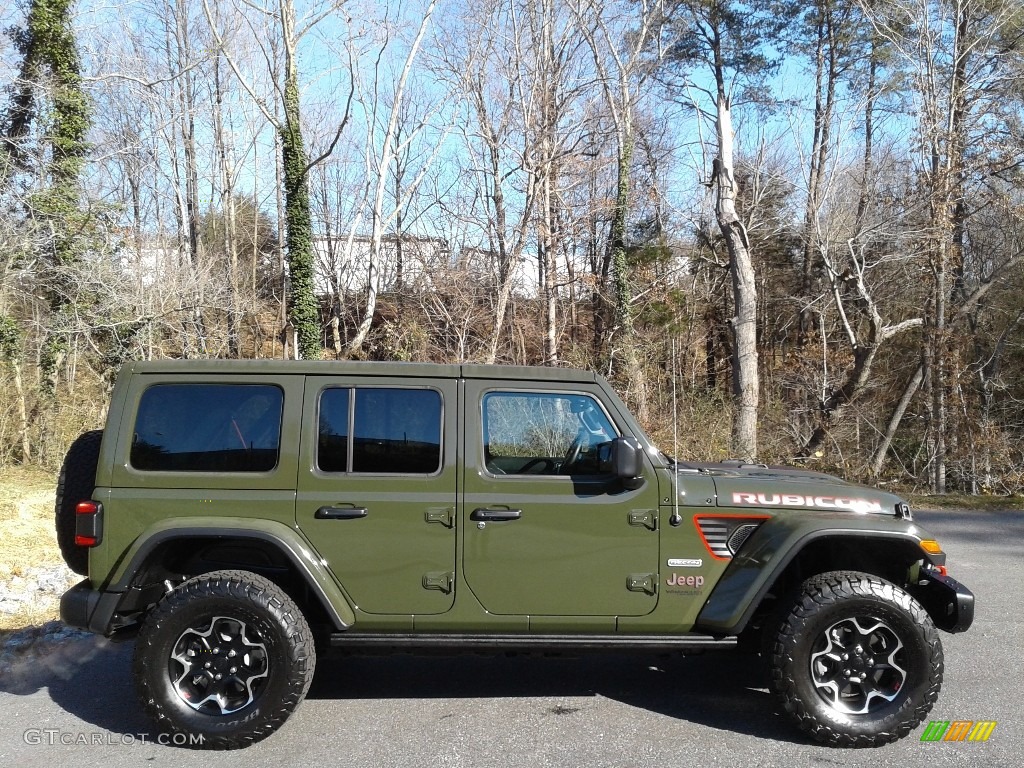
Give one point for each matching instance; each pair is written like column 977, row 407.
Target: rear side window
column 393, row 431
column 208, row 428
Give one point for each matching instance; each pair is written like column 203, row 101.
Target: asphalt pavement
column 76, row 706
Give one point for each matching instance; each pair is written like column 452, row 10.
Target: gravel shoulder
column 32, row 574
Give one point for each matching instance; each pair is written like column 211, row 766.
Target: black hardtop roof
column 363, row 368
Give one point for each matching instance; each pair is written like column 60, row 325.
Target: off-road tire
column 817, row 627
column 76, row 483
column 269, row 620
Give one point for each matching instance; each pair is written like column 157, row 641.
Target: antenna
column 676, row 519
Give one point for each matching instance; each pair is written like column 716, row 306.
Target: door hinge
column 443, row 515
column 648, row 518
column 439, row 580
column 642, row 582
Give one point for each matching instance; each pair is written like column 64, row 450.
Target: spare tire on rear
column 76, row 483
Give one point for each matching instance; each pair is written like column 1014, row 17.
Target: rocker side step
column 527, row 642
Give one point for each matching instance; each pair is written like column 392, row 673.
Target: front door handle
column 495, row 515
column 340, row 513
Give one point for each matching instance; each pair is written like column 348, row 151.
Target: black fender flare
column 299, row 554
column 752, row 573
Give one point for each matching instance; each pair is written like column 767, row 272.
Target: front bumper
column 949, row 603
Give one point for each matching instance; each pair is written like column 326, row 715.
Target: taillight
column 88, row 523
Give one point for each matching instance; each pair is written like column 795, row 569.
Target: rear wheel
column 223, row 660
column 856, row 661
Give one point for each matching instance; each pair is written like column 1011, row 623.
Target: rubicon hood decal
column 760, row 487
column 845, row 503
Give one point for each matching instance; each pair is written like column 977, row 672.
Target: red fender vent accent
column 723, row 535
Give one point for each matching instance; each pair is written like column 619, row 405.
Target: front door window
column 532, row 433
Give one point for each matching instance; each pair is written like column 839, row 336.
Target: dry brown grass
column 33, row 615
column 26, row 514
column 28, row 541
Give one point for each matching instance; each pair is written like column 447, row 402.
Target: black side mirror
column 628, row 462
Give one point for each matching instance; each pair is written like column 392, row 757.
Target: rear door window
column 379, row 430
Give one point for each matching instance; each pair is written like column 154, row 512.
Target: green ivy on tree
column 51, row 69
column 304, row 310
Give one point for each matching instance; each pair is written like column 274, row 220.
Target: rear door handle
column 340, row 513
column 495, row 515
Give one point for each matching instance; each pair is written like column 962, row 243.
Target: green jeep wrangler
column 235, row 516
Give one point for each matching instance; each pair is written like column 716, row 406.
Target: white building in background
column 417, row 263
column 427, row 263
column 342, row 264
column 483, row 263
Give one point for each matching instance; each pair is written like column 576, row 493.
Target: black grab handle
column 495, row 515
column 340, row 513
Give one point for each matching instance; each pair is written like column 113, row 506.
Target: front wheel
column 223, row 660
column 856, row 661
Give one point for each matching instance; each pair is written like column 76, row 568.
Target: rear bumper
column 949, row 603
column 87, row 608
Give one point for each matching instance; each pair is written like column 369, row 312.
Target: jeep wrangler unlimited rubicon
column 232, row 516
